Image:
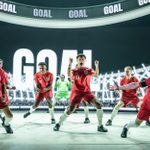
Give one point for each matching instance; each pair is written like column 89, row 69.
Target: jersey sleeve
column 145, row 82
column 3, row 77
column 136, row 80
column 51, row 79
column 6, row 77
column 121, row 82
column 91, row 71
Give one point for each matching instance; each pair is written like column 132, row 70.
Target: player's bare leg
column 131, row 124
column 64, row 116
column 99, row 113
column 119, row 105
column 32, row 109
column 86, row 111
column 51, row 110
column 6, row 119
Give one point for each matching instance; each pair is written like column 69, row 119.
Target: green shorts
column 60, row 95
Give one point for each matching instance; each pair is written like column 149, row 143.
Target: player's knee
column 98, row 105
column 70, row 110
column 118, row 106
column 10, row 116
column 35, row 106
column 138, row 123
column 84, row 103
column 50, row 105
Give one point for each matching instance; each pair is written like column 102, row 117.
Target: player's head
column 128, row 70
column 1, row 63
column 81, row 59
column 42, row 66
column 62, row 77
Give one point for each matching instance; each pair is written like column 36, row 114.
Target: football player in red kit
column 128, row 96
column 43, row 80
column 81, row 76
column 144, row 112
column 4, row 102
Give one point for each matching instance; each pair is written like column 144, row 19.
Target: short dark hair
column 80, row 55
column 62, row 75
column 42, row 64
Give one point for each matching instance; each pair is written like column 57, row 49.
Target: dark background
column 64, row 3
column 115, row 45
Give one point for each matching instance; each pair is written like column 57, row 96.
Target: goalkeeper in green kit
column 62, row 87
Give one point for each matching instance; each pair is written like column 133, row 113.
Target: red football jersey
column 132, row 92
column 2, row 76
column 43, row 80
column 6, row 77
column 2, row 80
column 81, row 79
column 146, row 99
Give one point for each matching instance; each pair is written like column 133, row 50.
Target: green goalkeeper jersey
column 62, row 86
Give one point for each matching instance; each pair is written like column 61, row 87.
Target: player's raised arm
column 96, row 71
column 69, row 67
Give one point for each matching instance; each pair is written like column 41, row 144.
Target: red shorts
column 130, row 100
column 41, row 96
column 76, row 97
column 144, row 112
column 4, row 104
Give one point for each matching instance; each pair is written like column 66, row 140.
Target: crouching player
column 144, row 111
column 4, row 103
column 43, row 80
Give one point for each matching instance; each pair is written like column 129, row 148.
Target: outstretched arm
column 133, row 85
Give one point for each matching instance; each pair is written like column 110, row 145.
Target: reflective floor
column 36, row 133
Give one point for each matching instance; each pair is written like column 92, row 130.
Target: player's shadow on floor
column 82, row 133
column 31, row 125
column 80, row 130
column 81, row 122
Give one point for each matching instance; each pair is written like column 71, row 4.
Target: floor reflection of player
column 144, row 112
column 81, row 77
column 43, row 80
column 128, row 96
column 4, row 100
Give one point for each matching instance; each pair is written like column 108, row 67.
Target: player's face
column 127, row 72
column 42, row 68
column 1, row 64
column 81, row 61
